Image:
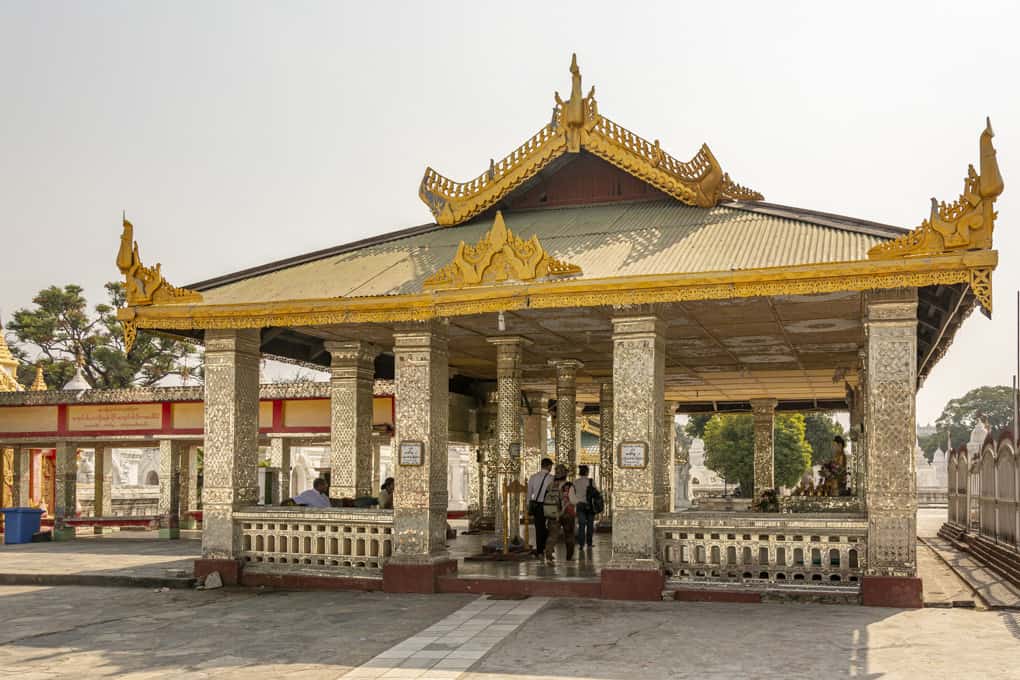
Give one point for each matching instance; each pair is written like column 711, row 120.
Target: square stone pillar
column 171, row 456
column 536, row 432
column 22, row 477
column 606, row 454
column 509, row 426
column 566, row 412
column 420, row 497
column 231, row 445
column 890, row 430
column 279, row 458
column 103, row 496
column 764, row 412
column 665, row 469
column 65, row 501
column 488, row 447
column 352, row 369
column 634, row 571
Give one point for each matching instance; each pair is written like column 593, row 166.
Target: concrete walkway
column 85, row 633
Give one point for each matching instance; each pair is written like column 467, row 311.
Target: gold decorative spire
column 8, row 367
column 576, row 124
column 146, row 285
column 39, row 385
column 965, row 224
column 499, row 256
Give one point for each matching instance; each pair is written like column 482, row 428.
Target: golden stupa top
column 39, row 385
column 577, row 124
column 8, row 368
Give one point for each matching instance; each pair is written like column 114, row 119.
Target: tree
column 695, row 427
column 729, row 449
column 819, row 430
column 960, row 416
column 61, row 328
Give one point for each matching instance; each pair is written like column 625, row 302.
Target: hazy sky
column 234, row 133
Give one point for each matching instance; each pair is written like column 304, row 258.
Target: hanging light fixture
column 501, row 323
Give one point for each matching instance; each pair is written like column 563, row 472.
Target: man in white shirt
column 538, row 487
column 315, row 497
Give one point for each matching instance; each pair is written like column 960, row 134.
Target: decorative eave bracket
column 576, row 124
column 966, row 224
column 144, row 285
column 499, row 256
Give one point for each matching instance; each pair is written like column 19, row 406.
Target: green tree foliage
column 729, row 449
column 60, row 327
column 695, row 427
column 819, row 430
column 960, row 416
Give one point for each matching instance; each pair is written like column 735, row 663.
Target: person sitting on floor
column 316, row 497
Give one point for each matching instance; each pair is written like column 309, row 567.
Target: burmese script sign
column 106, row 417
column 411, row 453
column 633, row 454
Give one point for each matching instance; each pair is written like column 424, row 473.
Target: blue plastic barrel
column 20, row 524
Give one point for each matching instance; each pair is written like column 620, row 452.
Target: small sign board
column 515, row 450
column 412, row 453
column 633, row 455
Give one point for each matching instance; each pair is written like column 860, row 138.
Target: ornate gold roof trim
column 965, row 224
column 146, row 285
column 499, row 256
column 951, row 268
column 576, row 124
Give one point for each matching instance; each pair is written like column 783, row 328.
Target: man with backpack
column 589, row 504
column 538, row 488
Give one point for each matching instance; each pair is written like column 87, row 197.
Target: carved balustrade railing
column 338, row 542
column 998, row 498
column 762, row 548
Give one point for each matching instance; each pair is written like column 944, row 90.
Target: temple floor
column 89, row 632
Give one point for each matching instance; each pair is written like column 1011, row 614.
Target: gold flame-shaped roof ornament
column 965, row 224
column 577, row 125
column 499, row 256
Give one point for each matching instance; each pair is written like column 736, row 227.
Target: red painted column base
column 230, row 570
column 416, row 578
column 892, row 591
column 633, row 584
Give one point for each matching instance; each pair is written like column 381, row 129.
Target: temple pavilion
column 591, row 273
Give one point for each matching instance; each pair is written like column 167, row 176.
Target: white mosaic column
column 231, row 437
column 638, row 387
column 764, row 413
column 509, row 426
column 422, row 404
column 536, row 432
column 65, row 472
column 664, row 502
column 891, row 328
column 279, row 458
column 171, row 454
column 566, row 415
column 352, row 371
column 103, row 496
column 606, row 455
column 487, row 466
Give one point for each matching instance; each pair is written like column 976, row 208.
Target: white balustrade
column 327, row 541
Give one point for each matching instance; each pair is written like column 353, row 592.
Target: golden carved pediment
column 965, row 224
column 499, row 256
column 575, row 125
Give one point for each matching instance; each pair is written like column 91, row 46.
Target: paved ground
column 84, row 633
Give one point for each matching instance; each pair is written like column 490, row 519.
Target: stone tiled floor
column 86, row 633
column 123, row 554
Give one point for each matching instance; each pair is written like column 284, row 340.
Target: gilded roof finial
column 572, row 110
column 145, row 285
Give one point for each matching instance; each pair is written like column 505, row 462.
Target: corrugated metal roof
column 622, row 239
